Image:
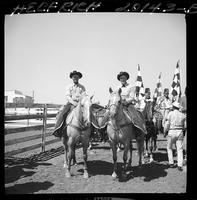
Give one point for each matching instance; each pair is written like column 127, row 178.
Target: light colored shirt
column 74, row 92
column 128, row 92
column 164, row 103
column 175, row 120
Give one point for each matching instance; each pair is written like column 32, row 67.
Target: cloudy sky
column 42, row 49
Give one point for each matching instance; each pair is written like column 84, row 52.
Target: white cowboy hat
column 176, row 104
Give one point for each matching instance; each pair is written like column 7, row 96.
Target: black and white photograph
column 95, row 102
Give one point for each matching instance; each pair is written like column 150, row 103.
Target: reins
column 77, row 127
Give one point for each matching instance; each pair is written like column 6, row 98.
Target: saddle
column 135, row 117
column 61, row 120
column 102, row 113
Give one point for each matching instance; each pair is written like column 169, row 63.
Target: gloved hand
column 74, row 103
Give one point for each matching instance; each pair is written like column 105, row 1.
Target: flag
column 139, row 83
column 175, row 89
column 158, row 89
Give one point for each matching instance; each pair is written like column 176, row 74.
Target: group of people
column 174, row 113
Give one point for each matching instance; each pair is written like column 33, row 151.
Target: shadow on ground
column 148, row 171
column 17, row 167
column 13, row 173
column 28, row 188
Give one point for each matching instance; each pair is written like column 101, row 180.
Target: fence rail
column 34, row 105
column 45, row 132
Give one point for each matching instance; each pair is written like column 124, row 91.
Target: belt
column 176, row 129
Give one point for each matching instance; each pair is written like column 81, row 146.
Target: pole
column 28, row 115
column 44, row 127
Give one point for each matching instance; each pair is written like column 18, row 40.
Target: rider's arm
column 69, row 96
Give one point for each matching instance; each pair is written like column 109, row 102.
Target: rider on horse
column 129, row 99
column 73, row 94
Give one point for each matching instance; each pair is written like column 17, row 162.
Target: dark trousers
column 137, row 118
column 60, row 118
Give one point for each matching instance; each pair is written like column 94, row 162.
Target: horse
column 77, row 127
column 101, row 131
column 151, row 136
column 99, row 124
column 121, row 130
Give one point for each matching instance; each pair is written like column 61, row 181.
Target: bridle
column 82, row 128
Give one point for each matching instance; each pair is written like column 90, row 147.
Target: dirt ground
column 43, row 173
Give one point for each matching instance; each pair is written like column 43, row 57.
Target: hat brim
column 76, row 73
column 123, row 74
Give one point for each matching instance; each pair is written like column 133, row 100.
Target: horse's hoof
column 85, row 175
column 114, row 175
column 65, row 165
column 68, row 175
column 151, row 160
column 124, row 175
column 90, row 147
column 118, row 150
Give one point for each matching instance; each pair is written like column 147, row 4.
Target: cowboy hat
column 76, row 73
column 147, row 90
column 123, row 74
column 176, row 104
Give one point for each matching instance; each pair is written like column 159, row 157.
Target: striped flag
column 175, row 89
column 158, row 89
column 139, row 83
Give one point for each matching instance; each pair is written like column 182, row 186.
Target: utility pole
column 33, row 96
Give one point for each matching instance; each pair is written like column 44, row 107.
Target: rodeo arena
column 136, row 146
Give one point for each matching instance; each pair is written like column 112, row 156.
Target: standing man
column 73, row 94
column 129, row 99
column 174, row 127
column 165, row 104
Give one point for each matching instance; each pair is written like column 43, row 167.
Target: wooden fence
column 44, row 127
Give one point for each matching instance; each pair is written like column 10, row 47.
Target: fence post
column 28, row 110
column 44, row 127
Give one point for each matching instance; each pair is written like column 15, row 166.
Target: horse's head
column 148, row 114
column 114, row 101
column 86, row 106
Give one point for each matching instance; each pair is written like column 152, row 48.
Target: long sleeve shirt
column 74, row 92
column 164, row 103
column 128, row 93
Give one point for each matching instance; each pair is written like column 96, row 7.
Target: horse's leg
column 151, row 149
column 125, row 155
column 155, row 142
column 114, row 152
column 118, row 147
column 74, row 156
column 140, row 147
column 146, row 146
column 85, row 143
column 70, row 156
column 65, row 151
column 130, row 157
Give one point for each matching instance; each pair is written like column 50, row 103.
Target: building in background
column 15, row 96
